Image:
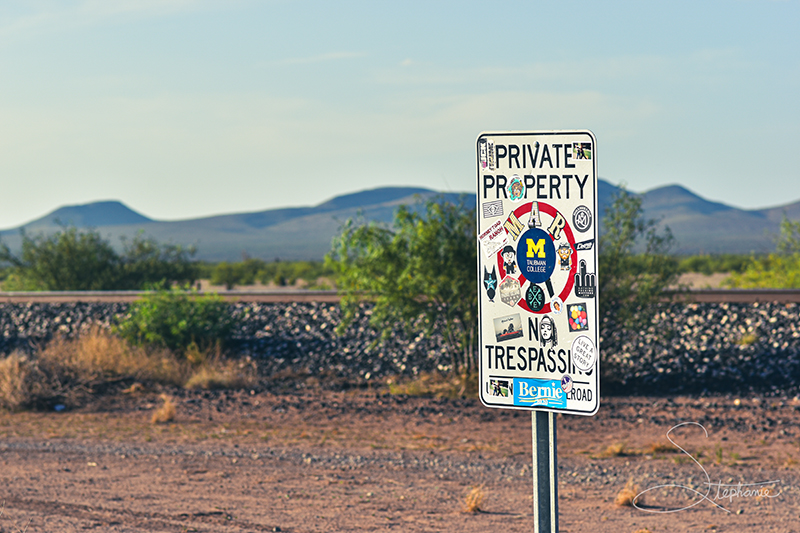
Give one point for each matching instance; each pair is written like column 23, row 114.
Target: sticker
column 490, row 154
column 577, row 317
column 583, row 354
column 547, row 332
column 534, row 221
column 493, row 209
column 564, row 252
column 557, row 305
column 534, row 297
column 536, row 255
column 503, row 388
column 584, row 282
column 482, row 151
column 566, row 383
column 582, row 151
column 540, row 393
column 584, row 245
column 513, row 226
column 515, row 188
column 490, row 282
column 507, row 328
column 582, row 218
column 510, row 291
column 509, row 260
column 493, row 239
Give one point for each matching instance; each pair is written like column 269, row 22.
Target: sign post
column 537, row 265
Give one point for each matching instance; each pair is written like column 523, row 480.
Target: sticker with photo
column 493, row 239
column 582, row 151
column 508, row 327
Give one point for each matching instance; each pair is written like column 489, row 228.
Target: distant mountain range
column 699, row 225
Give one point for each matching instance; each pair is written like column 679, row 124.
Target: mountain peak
column 102, row 213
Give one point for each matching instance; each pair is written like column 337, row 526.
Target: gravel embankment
column 686, row 348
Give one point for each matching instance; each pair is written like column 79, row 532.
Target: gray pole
column 545, row 472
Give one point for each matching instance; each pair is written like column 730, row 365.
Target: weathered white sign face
column 537, row 266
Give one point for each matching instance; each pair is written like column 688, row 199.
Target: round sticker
column 515, row 188
column 534, row 297
column 583, row 354
column 536, row 255
column 566, row 383
column 557, row 305
column 582, row 218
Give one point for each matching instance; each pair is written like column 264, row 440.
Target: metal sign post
column 545, row 472
column 537, row 265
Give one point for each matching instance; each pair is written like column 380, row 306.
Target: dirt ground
column 365, row 461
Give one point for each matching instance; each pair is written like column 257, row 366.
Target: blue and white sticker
column 539, row 393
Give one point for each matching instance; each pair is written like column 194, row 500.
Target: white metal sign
column 537, row 269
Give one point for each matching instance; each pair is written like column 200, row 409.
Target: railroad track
column 691, row 296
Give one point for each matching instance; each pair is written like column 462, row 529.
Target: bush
column 73, row 260
column 177, row 320
column 780, row 270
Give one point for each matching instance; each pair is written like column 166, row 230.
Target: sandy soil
column 364, row 461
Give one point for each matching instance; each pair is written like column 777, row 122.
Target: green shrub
column 177, row 319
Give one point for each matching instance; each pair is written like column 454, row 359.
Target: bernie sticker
column 540, row 393
column 583, row 353
column 515, row 188
column 582, row 218
column 510, row 292
column 577, row 317
column 508, row 327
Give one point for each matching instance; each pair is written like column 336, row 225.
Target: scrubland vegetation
column 418, row 273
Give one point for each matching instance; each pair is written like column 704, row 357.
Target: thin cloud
column 321, row 58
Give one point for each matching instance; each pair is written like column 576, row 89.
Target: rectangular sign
column 537, row 265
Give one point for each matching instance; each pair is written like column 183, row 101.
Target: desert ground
column 317, row 460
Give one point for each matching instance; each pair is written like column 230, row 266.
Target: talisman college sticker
column 537, row 225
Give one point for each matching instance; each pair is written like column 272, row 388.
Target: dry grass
column 71, row 371
column 165, row 413
column 626, row 496
column 474, row 500
column 437, row 385
column 221, row 374
column 618, row 449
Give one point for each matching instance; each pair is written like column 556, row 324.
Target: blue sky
column 184, row 108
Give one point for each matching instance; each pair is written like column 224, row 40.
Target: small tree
column 80, row 260
column 633, row 275
column 420, row 274
column 780, row 270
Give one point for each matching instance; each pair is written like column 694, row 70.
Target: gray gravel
column 685, row 348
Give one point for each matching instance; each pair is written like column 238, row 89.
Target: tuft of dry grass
column 474, row 500
column 20, row 381
column 618, row 449
column 437, row 385
column 70, row 371
column 165, row 413
column 626, row 496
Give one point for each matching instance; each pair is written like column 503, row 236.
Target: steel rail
column 294, row 295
